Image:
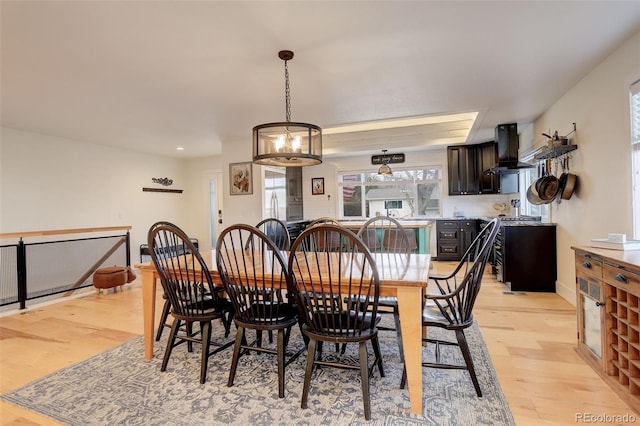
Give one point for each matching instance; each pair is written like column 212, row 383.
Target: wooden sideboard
column 608, row 309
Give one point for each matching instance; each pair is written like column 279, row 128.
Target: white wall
column 241, row 208
column 51, row 183
column 599, row 105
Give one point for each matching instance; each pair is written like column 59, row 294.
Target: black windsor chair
column 189, row 288
column 451, row 308
column 254, row 273
column 321, row 278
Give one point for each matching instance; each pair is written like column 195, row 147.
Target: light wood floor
column 530, row 336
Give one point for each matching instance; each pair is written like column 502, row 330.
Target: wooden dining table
column 404, row 278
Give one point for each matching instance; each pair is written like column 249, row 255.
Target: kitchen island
column 421, row 228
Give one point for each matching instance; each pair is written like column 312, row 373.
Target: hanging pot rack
column 556, row 150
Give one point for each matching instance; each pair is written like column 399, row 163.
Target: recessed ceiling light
column 180, row 148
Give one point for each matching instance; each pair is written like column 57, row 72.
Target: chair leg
column 464, row 347
column 165, row 315
column 403, row 381
column 205, row 326
column 311, row 354
column 227, row 319
column 364, row 377
column 376, row 350
column 259, row 339
column 170, row 343
column 236, row 354
column 396, row 318
column 189, row 327
column 280, row 355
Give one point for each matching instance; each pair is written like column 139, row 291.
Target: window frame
column 634, row 116
column 390, row 181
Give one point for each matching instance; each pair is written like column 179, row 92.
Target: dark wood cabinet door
column 453, row 237
column 462, row 170
column 487, row 158
column 468, row 232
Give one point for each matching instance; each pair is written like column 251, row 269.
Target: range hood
column 508, row 144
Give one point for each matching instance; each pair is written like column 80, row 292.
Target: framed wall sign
column 241, row 178
column 317, row 186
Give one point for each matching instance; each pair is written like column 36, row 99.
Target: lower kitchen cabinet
column 525, row 257
column 608, row 309
column 454, row 236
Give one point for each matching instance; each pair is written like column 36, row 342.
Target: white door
column 213, row 181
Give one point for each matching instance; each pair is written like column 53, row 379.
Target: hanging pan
column 532, row 191
column 548, row 187
column 568, row 181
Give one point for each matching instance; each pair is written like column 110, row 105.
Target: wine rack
column 624, row 339
column 608, row 292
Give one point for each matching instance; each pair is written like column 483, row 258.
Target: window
column 393, row 204
column 405, row 193
column 635, row 154
column 527, row 178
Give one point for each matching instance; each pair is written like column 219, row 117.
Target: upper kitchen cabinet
column 487, row 156
column 463, row 170
column 466, row 170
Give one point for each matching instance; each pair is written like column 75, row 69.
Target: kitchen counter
column 421, row 223
column 421, row 228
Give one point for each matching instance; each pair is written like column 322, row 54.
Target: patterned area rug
column 119, row 387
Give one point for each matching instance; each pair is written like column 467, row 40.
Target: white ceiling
column 152, row 76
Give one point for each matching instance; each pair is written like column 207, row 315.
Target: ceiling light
column 288, row 143
column 385, row 169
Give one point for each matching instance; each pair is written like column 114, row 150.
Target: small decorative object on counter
column 616, row 242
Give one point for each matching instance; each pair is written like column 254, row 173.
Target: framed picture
column 317, row 186
column 241, row 178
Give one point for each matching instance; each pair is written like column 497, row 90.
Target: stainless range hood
column 508, row 144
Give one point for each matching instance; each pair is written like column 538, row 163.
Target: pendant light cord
column 287, row 92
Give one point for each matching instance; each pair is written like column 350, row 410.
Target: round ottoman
column 111, row 277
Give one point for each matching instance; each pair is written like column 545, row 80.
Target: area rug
column 120, row 387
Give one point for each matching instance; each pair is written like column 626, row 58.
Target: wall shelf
column 554, row 151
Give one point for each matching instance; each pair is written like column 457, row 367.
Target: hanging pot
column 548, row 186
column 570, row 186
column 567, row 181
column 532, row 191
column 532, row 195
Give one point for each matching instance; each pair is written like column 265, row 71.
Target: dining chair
column 253, row 272
column 386, row 237
column 320, row 279
column 166, row 308
column 332, row 244
column 277, row 232
column 190, row 291
column 451, row 306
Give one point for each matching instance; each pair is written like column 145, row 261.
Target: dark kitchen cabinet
column 487, row 154
column 453, row 237
column 466, row 167
column 525, row 257
column 462, row 170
